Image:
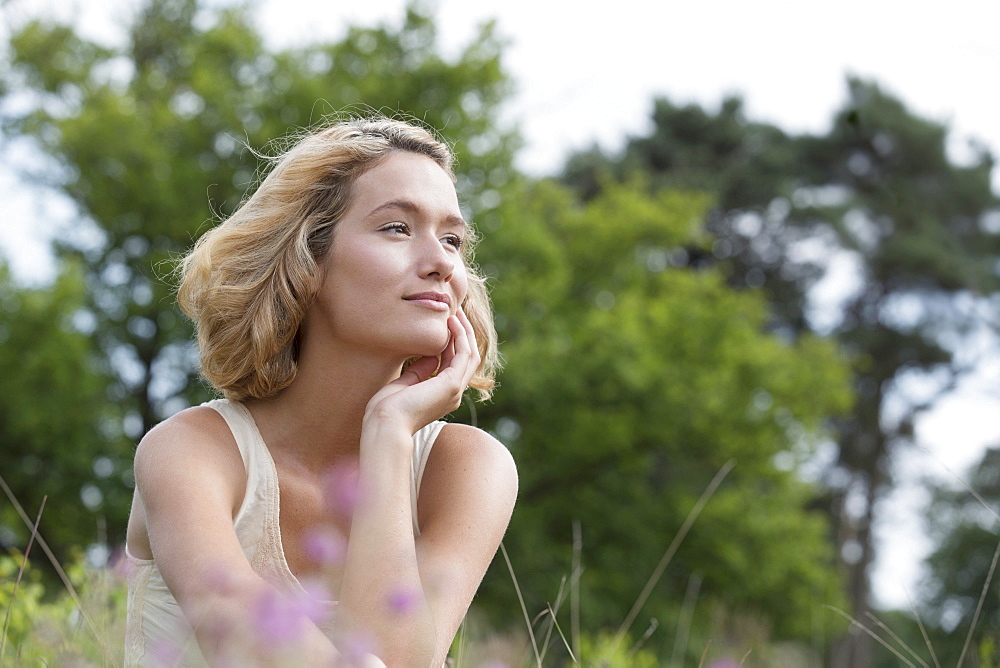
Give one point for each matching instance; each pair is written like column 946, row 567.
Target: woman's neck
column 318, row 418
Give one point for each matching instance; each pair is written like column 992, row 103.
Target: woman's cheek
column 462, row 288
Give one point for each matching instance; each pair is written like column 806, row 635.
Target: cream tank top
column 155, row 629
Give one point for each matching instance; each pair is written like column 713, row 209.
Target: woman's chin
column 431, row 346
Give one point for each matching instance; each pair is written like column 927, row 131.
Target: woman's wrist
column 384, row 433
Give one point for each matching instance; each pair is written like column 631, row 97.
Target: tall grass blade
column 654, row 624
column 898, row 640
column 704, row 654
column 555, row 622
column 56, row 565
column 683, row 630
column 574, row 588
column 524, row 609
column 923, row 631
column 979, row 606
column 669, row 554
column 17, row 580
column 552, row 617
column 874, row 635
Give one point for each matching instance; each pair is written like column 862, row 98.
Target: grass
column 84, row 624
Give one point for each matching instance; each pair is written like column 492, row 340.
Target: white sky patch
column 953, row 436
column 827, row 298
column 31, row 216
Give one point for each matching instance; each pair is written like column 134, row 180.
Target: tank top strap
column 262, row 484
column 423, row 441
column 257, row 522
column 242, row 426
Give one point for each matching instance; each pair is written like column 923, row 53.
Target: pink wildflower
column 342, row 490
column 315, row 601
column 402, row 601
column 282, row 619
column 121, row 566
column 325, row 547
column 356, row 647
column 164, row 653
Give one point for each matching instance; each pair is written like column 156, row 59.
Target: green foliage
column 49, row 628
column 53, row 412
column 605, row 651
column 635, row 368
column 629, row 382
column 147, row 141
column 878, row 189
column 964, row 530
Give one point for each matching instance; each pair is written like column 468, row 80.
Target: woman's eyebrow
column 412, row 207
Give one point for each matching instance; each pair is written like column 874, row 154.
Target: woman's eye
column 454, row 240
column 400, row 228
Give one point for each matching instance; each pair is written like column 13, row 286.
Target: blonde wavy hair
column 248, row 283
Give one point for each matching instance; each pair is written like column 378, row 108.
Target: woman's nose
column 437, row 259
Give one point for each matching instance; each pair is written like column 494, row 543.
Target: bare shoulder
column 460, row 447
column 196, row 443
column 470, row 469
column 199, row 430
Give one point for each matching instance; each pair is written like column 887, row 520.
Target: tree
column 963, row 524
column 877, row 191
column 52, row 410
column 147, row 144
column 630, row 381
column 634, row 370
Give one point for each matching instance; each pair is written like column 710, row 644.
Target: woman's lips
column 437, row 301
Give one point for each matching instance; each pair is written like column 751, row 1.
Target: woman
column 321, row 512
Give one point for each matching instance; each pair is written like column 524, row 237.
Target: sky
column 589, row 74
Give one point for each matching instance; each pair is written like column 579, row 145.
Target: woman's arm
column 191, row 479
column 411, row 594
column 466, row 499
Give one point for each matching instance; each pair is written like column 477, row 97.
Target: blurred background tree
column 149, row 142
column 963, row 523
column 877, row 193
column 657, row 308
column 632, row 378
column 56, row 425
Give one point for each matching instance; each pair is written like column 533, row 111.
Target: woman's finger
column 472, row 344
column 423, row 368
column 448, row 354
column 455, row 358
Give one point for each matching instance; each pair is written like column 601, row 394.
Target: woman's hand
column 382, row 525
column 431, row 387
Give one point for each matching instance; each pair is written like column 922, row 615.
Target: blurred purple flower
column 282, row 619
column 121, row 566
column 218, row 580
column 325, row 547
column 315, row 601
column 341, row 489
column 356, row 647
column 164, row 653
column 402, row 601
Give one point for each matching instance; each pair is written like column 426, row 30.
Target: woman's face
column 394, row 272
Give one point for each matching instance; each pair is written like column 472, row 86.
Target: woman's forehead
column 408, row 181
